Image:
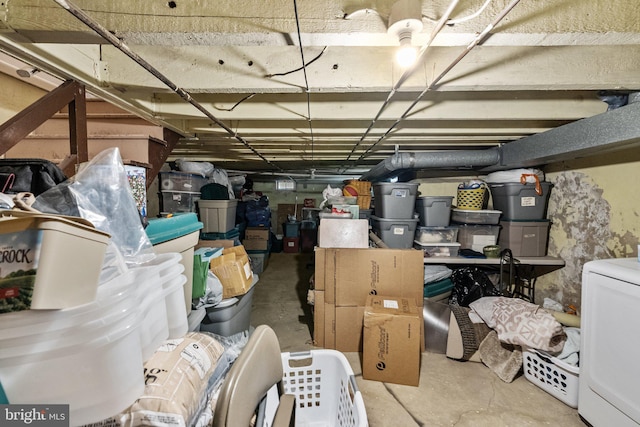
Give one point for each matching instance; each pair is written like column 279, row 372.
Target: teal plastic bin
column 178, row 233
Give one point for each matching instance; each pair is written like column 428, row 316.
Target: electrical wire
column 465, row 18
column 236, row 104
column 476, row 40
column 469, row 17
column 300, row 68
column 306, row 81
column 120, row 45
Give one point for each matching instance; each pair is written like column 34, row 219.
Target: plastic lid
column 162, row 230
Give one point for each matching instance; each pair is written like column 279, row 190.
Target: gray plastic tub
column 434, row 210
column 395, row 233
column 231, row 316
column 394, row 200
column 520, row 201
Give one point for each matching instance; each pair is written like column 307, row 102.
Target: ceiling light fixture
column 26, row 72
column 404, row 20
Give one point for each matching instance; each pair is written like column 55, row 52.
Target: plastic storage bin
column 325, row 389
column 434, row 210
column 520, row 201
column 395, row 233
column 230, row 316
column 259, row 260
column 291, row 229
column 437, row 234
column 291, row 244
column 217, row 216
column 438, row 249
column 179, row 234
column 485, row 216
column 525, row 238
column 557, row 378
column 394, row 200
column 477, row 236
column 61, row 259
column 178, row 201
column 181, row 181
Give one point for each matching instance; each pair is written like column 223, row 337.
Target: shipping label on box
column 350, row 275
column 392, row 340
column 233, row 269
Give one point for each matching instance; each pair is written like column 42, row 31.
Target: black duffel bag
column 29, row 175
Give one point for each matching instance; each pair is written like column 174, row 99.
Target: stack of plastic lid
column 87, row 356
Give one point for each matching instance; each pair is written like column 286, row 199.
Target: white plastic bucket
column 99, row 376
column 176, row 313
column 153, row 311
column 167, row 272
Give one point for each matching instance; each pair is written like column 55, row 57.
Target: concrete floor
column 451, row 393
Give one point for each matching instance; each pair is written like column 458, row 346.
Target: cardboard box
column 329, row 325
column 318, row 318
column 218, row 243
column 319, row 268
column 343, row 233
column 391, row 340
column 234, row 271
column 348, row 276
column 348, row 328
column 256, row 239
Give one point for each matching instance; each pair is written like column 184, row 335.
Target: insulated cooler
column 178, row 233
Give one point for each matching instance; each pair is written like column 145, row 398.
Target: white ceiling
column 228, row 76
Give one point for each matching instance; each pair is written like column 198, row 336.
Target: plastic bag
column 100, row 192
column 329, row 193
column 201, row 168
column 515, row 175
column 469, row 285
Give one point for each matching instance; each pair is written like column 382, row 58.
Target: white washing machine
column 609, row 391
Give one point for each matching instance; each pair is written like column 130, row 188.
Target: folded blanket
column 521, row 323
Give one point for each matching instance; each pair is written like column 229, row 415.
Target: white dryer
column 609, row 391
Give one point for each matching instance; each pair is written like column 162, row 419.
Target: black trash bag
column 470, row 284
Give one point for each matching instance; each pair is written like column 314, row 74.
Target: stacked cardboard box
column 391, row 340
column 344, row 278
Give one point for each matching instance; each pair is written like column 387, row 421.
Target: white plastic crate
column 325, row 389
column 557, row 378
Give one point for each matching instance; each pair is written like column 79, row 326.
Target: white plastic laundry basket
column 557, row 378
column 325, row 389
